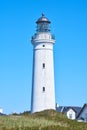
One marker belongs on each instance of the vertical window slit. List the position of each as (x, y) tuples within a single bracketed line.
[(43, 65), (43, 89)]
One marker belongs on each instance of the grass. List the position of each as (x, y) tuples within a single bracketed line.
[(46, 120), (22, 121)]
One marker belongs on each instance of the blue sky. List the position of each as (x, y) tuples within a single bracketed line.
[(17, 25)]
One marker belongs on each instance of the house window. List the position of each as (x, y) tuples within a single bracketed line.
[(43, 89), (43, 65), (70, 116), (43, 45)]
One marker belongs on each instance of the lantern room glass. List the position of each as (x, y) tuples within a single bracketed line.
[(43, 27)]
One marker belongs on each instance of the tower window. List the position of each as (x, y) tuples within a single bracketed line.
[(43, 89), (43, 45), (43, 65)]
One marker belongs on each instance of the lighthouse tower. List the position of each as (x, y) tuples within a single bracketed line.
[(43, 91)]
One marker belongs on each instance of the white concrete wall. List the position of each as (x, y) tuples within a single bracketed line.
[(1, 110), (43, 77), (72, 113)]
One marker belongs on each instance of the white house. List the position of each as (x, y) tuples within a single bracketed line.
[(70, 111), (71, 114)]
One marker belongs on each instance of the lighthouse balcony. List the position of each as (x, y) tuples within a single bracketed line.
[(43, 36)]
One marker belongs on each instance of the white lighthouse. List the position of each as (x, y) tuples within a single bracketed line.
[(43, 90)]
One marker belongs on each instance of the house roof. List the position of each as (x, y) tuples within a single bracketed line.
[(85, 105), (64, 109)]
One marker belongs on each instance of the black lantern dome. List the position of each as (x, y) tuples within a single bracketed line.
[(43, 19), (43, 24)]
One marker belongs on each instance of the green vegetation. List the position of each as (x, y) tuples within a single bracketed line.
[(46, 120)]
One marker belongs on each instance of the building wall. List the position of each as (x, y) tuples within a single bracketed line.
[(83, 115), (1, 110), (43, 95)]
